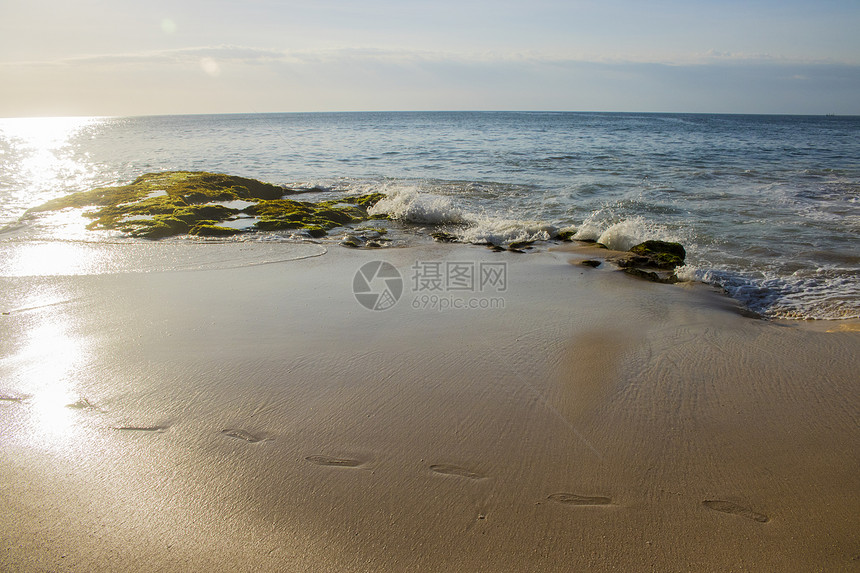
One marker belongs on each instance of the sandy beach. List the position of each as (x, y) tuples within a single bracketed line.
[(258, 418)]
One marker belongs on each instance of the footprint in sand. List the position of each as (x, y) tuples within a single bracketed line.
[(150, 429), (576, 499), (244, 435), (336, 462), (452, 470), (736, 509)]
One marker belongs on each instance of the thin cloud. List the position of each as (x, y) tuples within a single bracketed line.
[(252, 55), (181, 80)]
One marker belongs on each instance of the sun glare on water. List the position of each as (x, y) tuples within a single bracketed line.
[(41, 146)]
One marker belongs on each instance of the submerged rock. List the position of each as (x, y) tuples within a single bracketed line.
[(158, 205), (366, 238)]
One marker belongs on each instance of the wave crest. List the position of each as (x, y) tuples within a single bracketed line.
[(411, 205)]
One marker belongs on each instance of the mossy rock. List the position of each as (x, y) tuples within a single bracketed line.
[(566, 236), (444, 237), (279, 208), (336, 216), (315, 231), (277, 224), (197, 213), (367, 201), (177, 202), (156, 228), (659, 254), (213, 231)]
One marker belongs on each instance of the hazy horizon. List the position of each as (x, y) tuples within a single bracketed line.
[(193, 57)]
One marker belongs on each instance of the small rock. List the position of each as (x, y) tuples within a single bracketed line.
[(516, 245), (443, 237), (352, 241)]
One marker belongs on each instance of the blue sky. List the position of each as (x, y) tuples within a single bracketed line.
[(126, 57)]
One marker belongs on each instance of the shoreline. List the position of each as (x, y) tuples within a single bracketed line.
[(261, 417)]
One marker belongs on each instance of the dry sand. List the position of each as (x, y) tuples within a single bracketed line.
[(259, 419)]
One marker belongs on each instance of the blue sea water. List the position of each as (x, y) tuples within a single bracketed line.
[(768, 207)]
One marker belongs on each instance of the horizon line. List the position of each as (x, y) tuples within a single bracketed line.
[(432, 111)]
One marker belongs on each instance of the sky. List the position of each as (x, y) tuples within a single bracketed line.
[(127, 57)]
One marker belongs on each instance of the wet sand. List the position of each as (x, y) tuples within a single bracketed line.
[(260, 419)]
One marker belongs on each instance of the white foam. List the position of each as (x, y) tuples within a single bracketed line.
[(498, 231), (409, 204), (823, 295), (414, 205), (621, 235)]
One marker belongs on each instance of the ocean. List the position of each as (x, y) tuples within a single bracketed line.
[(767, 207)]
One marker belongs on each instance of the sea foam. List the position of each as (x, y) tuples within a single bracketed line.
[(621, 235), (411, 204)]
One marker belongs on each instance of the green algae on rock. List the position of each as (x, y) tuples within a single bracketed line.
[(158, 205), (660, 254), (651, 259)]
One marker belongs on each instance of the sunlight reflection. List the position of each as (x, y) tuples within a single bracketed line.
[(52, 259), (44, 132), (50, 359), (44, 160)]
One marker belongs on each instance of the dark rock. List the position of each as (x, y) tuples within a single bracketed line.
[(660, 254), (315, 231), (517, 245), (634, 261), (665, 278), (443, 237), (590, 263)]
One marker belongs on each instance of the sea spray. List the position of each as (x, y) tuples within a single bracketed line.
[(412, 205), (485, 229), (621, 235), (408, 203)]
